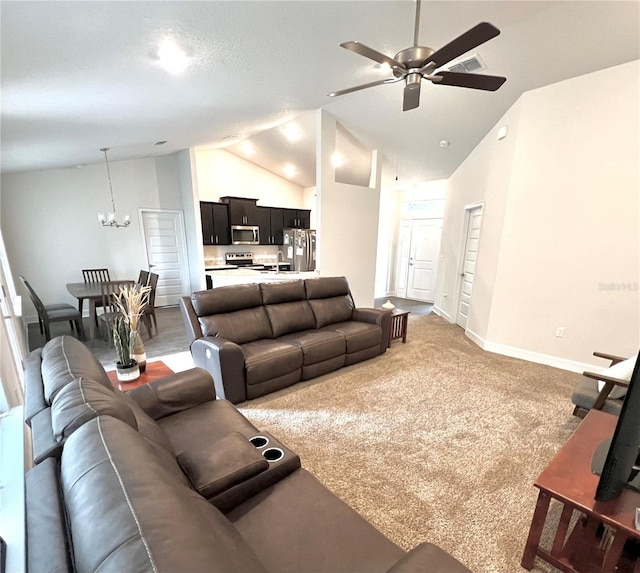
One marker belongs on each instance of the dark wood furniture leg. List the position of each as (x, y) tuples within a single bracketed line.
[(535, 531)]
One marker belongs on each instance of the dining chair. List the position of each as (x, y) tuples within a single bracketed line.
[(95, 275), (110, 312), (149, 311), (48, 313), (143, 278)]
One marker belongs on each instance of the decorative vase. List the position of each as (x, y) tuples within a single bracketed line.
[(129, 372), (137, 351), (388, 305)]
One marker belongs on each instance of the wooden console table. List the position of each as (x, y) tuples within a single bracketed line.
[(153, 371), (399, 321), (569, 480)]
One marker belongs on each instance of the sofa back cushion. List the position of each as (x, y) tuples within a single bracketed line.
[(128, 512), (330, 300), (240, 327), (81, 401), (234, 313), (287, 307), (226, 299), (65, 359)]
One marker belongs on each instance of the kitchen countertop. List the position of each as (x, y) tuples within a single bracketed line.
[(245, 275)]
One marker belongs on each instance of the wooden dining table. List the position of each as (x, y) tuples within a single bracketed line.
[(93, 293)]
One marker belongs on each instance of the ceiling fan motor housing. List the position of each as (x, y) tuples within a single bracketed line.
[(414, 57)]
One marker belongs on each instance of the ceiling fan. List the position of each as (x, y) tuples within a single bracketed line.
[(419, 62)]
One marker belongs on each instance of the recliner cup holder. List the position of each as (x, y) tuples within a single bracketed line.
[(259, 441), (273, 454)]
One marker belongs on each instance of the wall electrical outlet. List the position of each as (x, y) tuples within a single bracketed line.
[(560, 332)]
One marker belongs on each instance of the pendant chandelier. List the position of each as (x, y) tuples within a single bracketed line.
[(111, 220)]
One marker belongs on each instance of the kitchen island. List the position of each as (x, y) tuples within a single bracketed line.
[(243, 276)]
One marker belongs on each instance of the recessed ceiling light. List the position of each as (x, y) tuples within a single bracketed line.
[(292, 132), (289, 170), (337, 160), (444, 143), (248, 148), (171, 57)]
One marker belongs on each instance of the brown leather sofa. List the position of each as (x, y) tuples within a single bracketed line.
[(258, 338), (164, 479)]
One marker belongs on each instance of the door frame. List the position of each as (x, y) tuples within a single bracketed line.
[(461, 253), (186, 281)]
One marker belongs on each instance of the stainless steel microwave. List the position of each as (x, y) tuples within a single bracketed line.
[(245, 235)]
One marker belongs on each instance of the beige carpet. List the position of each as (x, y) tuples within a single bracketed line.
[(436, 440)]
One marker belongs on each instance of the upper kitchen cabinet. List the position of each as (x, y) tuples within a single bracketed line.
[(215, 223), (271, 222), (242, 211), (297, 218)]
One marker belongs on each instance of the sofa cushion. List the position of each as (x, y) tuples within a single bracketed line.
[(287, 317), (209, 422), (326, 287), (226, 299), (81, 401), (239, 327), (317, 345), (318, 533), (285, 291), (128, 513), (266, 359), (359, 335), (222, 464), (332, 310), (65, 359)]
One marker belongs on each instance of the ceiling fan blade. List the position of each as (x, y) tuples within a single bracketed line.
[(411, 99), (364, 86), (475, 81), (372, 54), (470, 39)]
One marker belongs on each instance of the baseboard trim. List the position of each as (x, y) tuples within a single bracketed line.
[(529, 355), (442, 313)]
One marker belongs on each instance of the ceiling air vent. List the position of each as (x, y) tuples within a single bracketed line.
[(471, 64)]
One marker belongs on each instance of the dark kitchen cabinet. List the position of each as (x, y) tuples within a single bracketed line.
[(241, 211), (271, 222), (297, 218), (215, 223)]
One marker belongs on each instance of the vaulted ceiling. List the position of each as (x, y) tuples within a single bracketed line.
[(78, 76)]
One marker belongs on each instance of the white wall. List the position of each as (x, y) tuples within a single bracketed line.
[(50, 226), (347, 220), (222, 173), (561, 217)]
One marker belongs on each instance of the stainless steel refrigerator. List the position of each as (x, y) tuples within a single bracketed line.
[(299, 249)]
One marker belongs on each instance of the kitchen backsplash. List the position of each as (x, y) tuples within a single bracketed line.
[(214, 256)]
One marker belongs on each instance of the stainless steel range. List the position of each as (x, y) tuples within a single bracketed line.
[(239, 259)]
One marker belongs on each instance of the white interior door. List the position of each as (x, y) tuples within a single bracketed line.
[(404, 251), (165, 244), (423, 259), (469, 265)]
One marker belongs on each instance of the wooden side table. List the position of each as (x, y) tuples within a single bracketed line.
[(154, 371), (399, 321), (568, 479)]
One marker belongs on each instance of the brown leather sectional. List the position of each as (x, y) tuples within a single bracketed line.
[(258, 338), (165, 478)]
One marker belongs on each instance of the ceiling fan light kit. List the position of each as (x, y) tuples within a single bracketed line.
[(416, 63)]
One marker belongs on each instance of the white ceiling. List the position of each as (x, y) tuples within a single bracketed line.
[(78, 76)]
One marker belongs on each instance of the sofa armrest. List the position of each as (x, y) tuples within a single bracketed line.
[(428, 557), (376, 316), (224, 360), (175, 393), (219, 466)]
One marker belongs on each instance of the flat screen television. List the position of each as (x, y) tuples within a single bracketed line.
[(617, 460)]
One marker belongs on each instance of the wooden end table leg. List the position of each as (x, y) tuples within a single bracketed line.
[(612, 556), (535, 531)]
